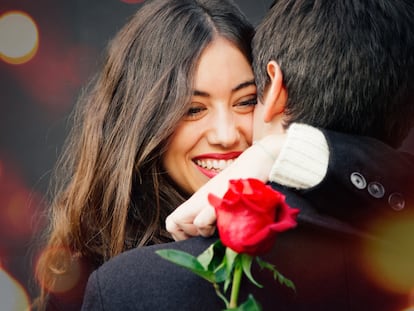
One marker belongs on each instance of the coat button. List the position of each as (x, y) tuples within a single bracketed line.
[(376, 190), (396, 201), (358, 180)]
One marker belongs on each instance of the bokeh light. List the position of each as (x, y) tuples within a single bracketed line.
[(411, 302), (13, 297), (65, 274), (19, 37), (20, 207), (54, 77), (390, 261)]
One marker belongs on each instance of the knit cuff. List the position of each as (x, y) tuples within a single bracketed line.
[(303, 160)]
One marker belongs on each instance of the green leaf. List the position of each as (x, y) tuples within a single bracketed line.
[(220, 272), (231, 258), (246, 261), (187, 261), (249, 305), (213, 260), (212, 257), (276, 274), (205, 257)]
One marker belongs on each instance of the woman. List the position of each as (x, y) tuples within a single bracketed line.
[(176, 83)]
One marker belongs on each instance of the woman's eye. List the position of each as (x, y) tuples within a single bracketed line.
[(246, 105), (194, 112), (250, 102)]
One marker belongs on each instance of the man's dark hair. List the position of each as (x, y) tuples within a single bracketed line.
[(347, 65)]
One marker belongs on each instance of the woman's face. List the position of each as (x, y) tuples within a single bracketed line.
[(218, 123)]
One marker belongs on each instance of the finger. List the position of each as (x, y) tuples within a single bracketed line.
[(180, 236), (180, 231), (171, 225), (181, 215), (207, 231), (205, 221)]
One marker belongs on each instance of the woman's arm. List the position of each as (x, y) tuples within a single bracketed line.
[(272, 158)]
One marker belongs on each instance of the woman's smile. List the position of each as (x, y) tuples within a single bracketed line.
[(212, 164)]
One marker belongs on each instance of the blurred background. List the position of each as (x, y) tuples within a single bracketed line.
[(48, 51)]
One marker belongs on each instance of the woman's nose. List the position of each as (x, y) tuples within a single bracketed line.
[(224, 131)]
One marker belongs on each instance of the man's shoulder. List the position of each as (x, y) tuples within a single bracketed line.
[(147, 256), (140, 279)]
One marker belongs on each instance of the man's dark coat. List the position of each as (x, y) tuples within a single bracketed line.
[(331, 256)]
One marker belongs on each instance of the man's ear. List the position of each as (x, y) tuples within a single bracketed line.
[(276, 93)]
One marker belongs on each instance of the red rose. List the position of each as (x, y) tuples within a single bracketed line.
[(250, 216)]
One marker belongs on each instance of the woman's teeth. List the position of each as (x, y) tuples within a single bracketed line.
[(217, 165)]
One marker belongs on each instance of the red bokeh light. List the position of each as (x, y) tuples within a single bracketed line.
[(20, 207)]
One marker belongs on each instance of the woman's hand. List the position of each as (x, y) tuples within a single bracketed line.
[(196, 216)]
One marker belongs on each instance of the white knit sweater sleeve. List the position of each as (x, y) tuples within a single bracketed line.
[(303, 160)]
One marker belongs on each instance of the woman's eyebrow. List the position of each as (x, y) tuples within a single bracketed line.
[(236, 88), (200, 93), (243, 85)]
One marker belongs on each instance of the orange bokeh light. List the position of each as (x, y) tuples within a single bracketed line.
[(390, 261), (19, 37), (64, 275)]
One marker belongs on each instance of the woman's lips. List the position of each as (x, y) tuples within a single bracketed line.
[(208, 173), (213, 163)]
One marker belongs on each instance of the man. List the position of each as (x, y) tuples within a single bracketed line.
[(344, 66), (339, 66)]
